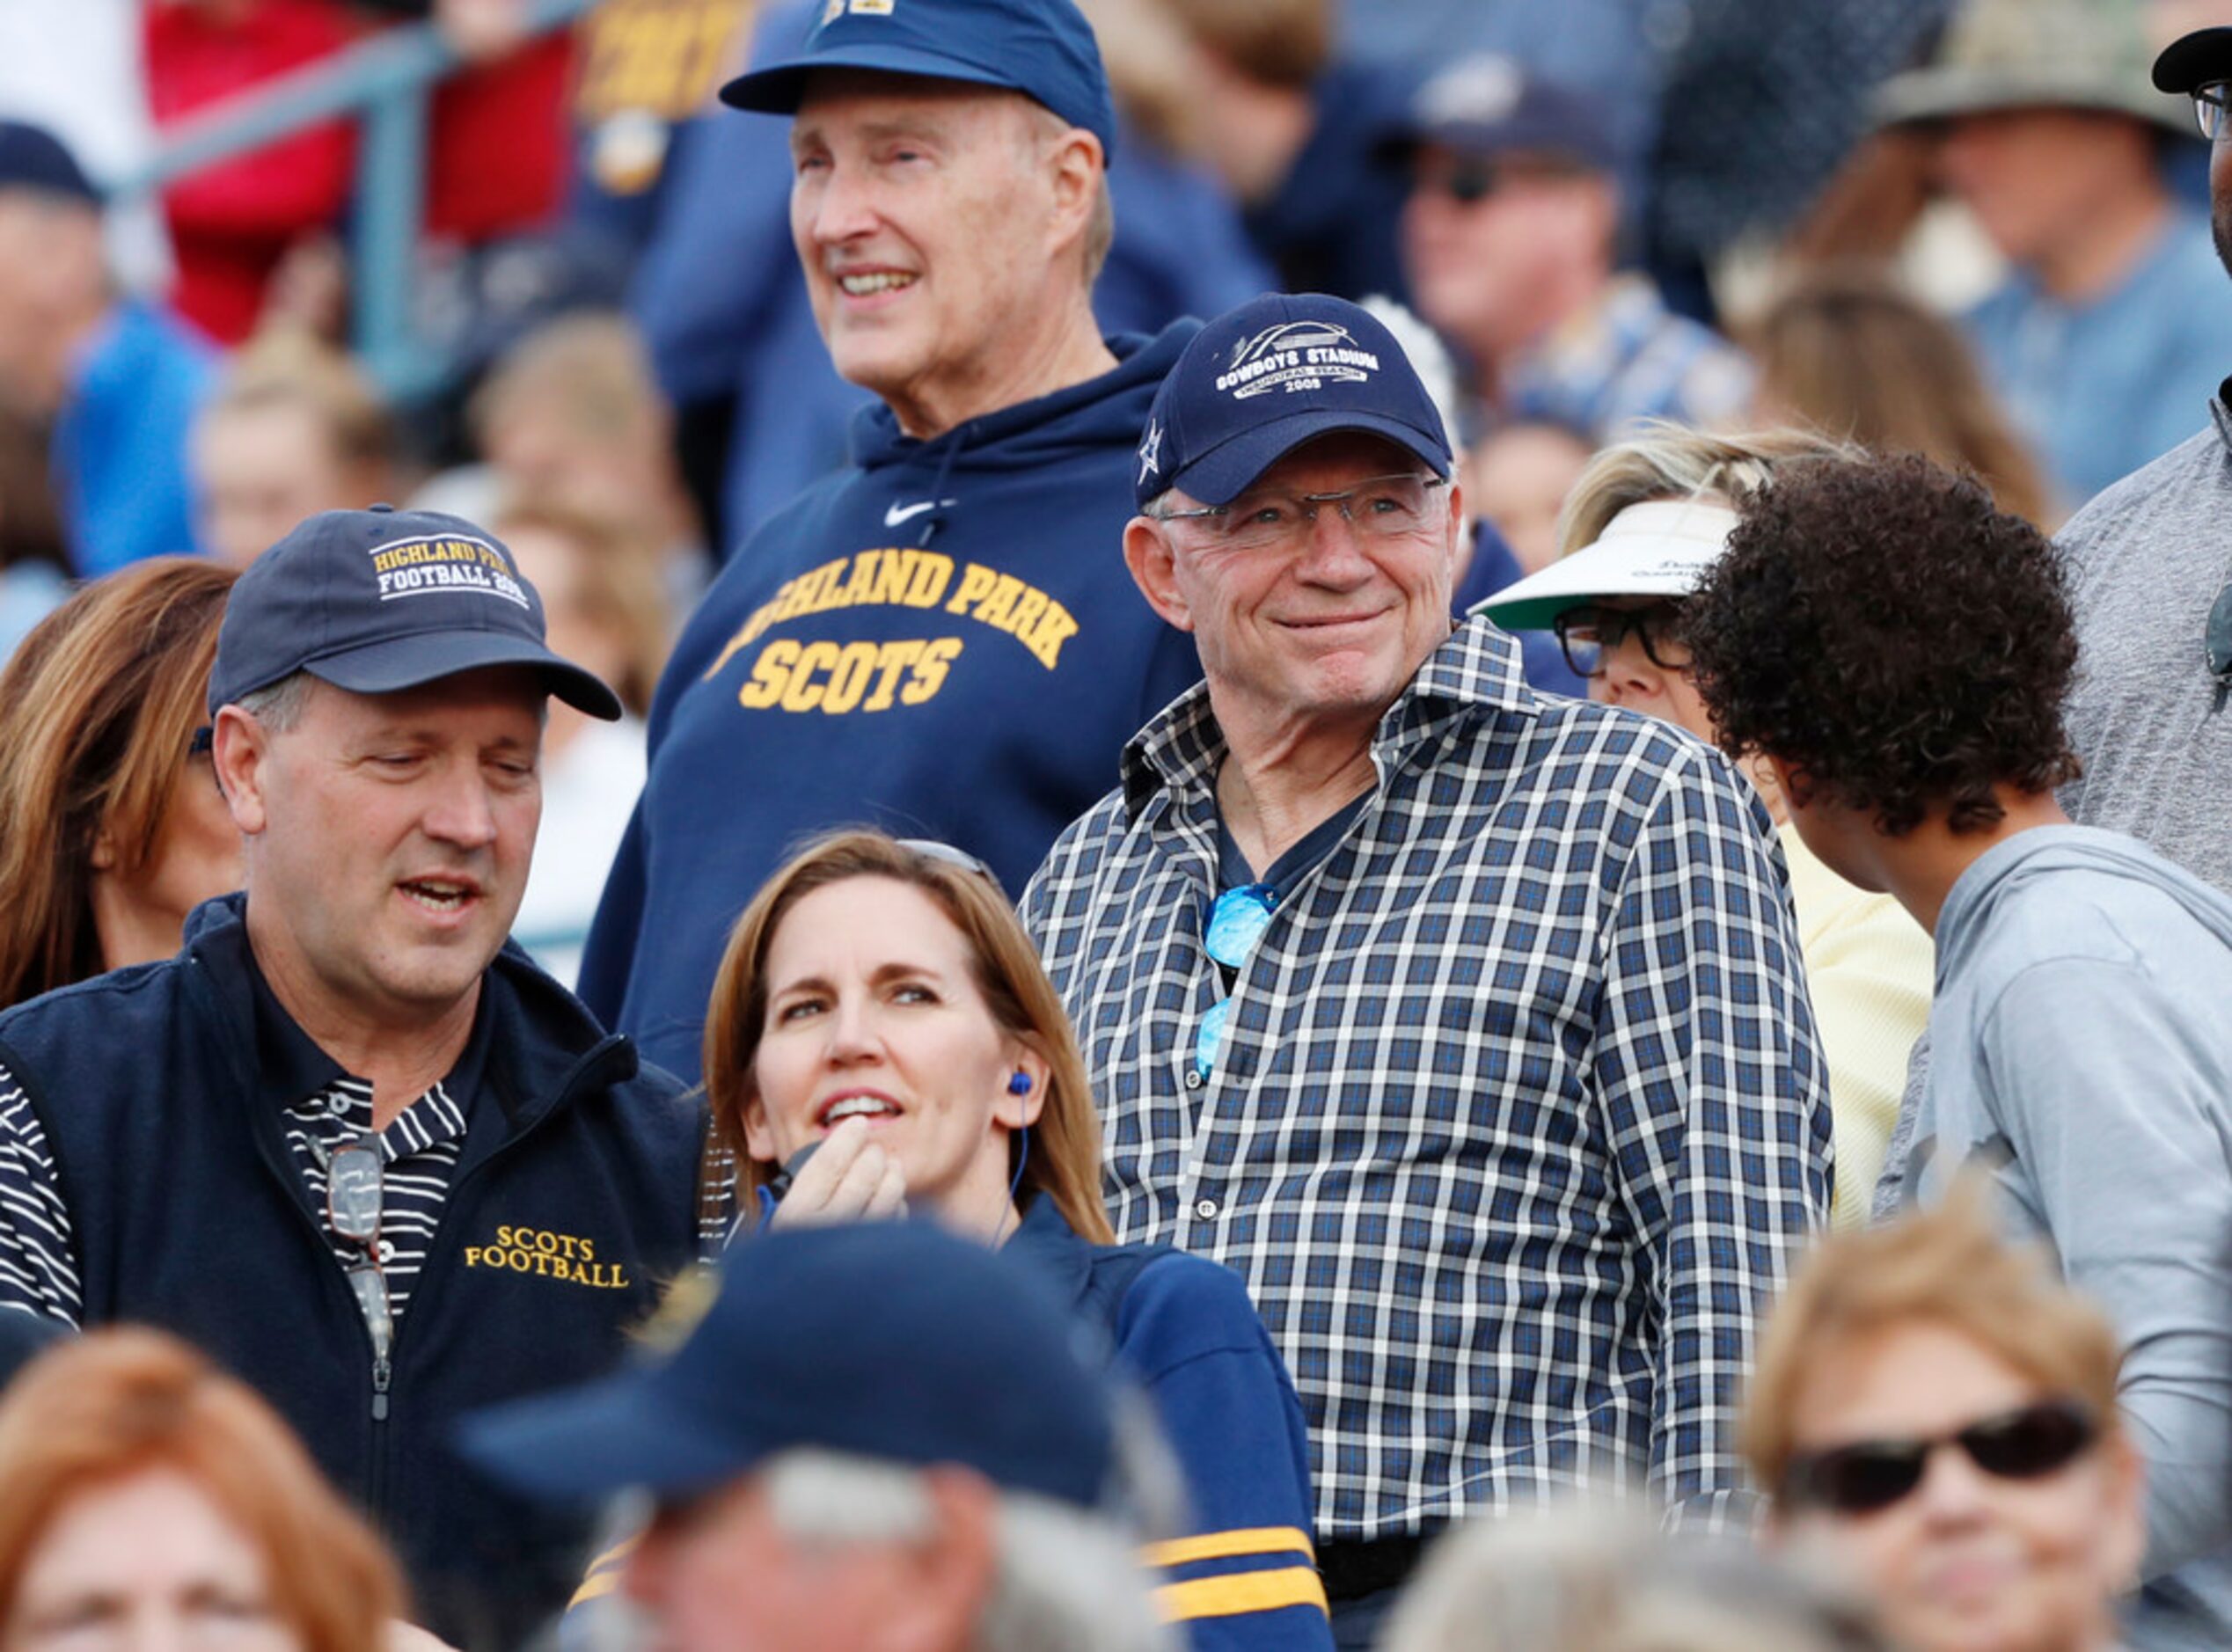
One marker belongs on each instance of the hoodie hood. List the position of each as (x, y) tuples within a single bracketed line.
[(1056, 429), (2050, 851)]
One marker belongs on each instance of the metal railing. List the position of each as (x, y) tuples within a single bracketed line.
[(385, 80)]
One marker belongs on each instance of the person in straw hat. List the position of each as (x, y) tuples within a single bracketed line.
[(2111, 326)]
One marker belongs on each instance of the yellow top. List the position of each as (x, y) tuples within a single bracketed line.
[(1868, 969)]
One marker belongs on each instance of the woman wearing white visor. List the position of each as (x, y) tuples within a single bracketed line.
[(1643, 523)]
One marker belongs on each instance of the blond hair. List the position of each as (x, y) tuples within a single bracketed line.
[(1664, 460), (294, 368), (1848, 350), (1947, 1268), (1064, 1160), (617, 585), (1284, 43)]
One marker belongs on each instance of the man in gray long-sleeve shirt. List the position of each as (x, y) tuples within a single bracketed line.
[(2147, 561), (1898, 651)]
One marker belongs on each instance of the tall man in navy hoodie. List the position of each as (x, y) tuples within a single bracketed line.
[(348, 1140), (943, 640)]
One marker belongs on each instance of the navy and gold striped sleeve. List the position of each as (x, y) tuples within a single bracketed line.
[(1245, 1579)]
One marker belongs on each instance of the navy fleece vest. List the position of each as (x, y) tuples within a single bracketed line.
[(571, 1205)]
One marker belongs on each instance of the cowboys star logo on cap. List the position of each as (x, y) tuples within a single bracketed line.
[(1150, 452)]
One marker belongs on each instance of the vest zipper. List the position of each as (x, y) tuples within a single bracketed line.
[(280, 1163)]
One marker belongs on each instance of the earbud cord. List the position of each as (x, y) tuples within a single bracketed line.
[(1022, 1157)]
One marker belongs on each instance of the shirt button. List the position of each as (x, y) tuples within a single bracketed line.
[(1206, 1210), (1193, 1078)]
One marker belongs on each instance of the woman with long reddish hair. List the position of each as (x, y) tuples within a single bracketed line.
[(111, 827), (150, 1500)]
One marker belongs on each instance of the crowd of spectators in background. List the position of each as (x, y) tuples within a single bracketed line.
[(1287, 751)]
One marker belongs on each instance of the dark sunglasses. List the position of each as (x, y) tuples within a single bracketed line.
[(1469, 179), (2216, 642), (1586, 635), (1870, 1476), (947, 855)]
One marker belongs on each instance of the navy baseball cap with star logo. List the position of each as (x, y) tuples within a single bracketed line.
[(1260, 381), (1042, 49), (374, 601)]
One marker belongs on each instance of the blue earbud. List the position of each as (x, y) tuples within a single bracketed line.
[(1021, 1084)]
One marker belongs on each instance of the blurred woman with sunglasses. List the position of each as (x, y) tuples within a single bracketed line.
[(1935, 1416), (111, 827), (881, 1009), (1644, 522)]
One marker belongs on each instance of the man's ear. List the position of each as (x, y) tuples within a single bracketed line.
[(1153, 562), (240, 752), (955, 1564), (1079, 173)]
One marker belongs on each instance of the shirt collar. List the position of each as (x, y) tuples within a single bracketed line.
[(1477, 667), (291, 1067), (1046, 1242)]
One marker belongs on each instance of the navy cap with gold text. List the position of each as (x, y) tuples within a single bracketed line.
[(374, 601)]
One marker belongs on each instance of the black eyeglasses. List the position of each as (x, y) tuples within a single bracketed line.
[(1869, 1475), (2209, 104), (201, 742), (355, 1185), (1586, 635)]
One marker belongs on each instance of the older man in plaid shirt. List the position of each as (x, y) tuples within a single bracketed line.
[(1466, 1025)]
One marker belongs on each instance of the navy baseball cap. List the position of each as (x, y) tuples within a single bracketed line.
[(1490, 106), (32, 157), (374, 601), (1261, 380), (2194, 60), (1042, 49), (896, 1340)]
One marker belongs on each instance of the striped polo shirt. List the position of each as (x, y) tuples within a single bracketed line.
[(321, 1109)]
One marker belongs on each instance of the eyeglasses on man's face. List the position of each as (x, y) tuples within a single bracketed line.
[(1587, 635), (1379, 507), (2210, 102)]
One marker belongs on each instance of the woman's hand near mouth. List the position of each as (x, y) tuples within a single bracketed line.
[(853, 1178)]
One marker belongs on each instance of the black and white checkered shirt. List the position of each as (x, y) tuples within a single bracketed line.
[(1519, 1118)]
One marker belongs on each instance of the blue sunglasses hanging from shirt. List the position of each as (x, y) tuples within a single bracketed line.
[(1236, 923)]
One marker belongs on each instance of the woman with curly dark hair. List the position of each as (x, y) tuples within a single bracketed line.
[(1896, 651)]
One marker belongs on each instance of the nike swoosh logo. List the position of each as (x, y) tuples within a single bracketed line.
[(894, 514)]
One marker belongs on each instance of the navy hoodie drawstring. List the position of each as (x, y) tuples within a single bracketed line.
[(951, 443)]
